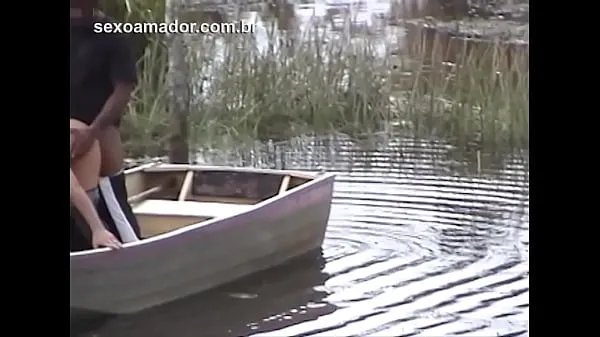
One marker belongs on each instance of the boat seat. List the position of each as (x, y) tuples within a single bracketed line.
[(189, 208)]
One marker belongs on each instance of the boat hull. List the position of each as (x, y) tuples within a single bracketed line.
[(202, 256)]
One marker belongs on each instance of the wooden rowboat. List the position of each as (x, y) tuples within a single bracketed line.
[(227, 310), (202, 227)]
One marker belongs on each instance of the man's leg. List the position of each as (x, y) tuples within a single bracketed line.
[(114, 208)]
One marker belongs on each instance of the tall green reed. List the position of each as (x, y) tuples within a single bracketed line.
[(146, 122), (470, 90), (320, 82)]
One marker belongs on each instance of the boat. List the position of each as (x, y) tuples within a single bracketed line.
[(291, 286), (201, 227)]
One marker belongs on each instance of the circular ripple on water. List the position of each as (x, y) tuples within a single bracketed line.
[(414, 250)]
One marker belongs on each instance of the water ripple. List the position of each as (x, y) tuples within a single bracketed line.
[(413, 248)]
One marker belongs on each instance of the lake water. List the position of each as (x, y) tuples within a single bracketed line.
[(424, 239)]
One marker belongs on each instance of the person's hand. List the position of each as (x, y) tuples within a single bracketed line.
[(104, 238), (82, 141)]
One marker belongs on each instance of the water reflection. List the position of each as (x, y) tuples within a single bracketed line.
[(417, 245), (355, 18), (269, 301)]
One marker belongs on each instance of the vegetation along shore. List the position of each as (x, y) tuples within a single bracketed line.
[(457, 70)]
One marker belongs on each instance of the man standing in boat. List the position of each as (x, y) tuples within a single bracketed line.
[(102, 76)]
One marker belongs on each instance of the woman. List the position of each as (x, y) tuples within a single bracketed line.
[(85, 172), (103, 75)]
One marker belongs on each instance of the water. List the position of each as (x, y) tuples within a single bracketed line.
[(421, 241), (380, 23)]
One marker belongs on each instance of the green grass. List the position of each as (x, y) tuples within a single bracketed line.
[(319, 85), (482, 96)]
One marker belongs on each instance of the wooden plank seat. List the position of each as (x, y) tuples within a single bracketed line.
[(188, 208)]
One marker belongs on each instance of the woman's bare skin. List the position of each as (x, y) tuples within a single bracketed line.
[(85, 172)]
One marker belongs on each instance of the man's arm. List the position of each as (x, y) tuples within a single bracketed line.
[(123, 74)]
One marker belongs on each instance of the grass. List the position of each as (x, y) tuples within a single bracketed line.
[(469, 90), (320, 84), (146, 122)]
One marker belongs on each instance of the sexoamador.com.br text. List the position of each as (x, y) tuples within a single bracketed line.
[(175, 27)]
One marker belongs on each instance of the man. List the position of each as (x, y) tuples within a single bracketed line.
[(103, 75)]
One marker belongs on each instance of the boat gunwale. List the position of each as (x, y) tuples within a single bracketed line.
[(315, 178), (163, 167)]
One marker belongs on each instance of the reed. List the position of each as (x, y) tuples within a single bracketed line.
[(146, 122), (319, 84), (471, 90)]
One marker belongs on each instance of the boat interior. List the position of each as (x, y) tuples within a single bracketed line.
[(164, 200)]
